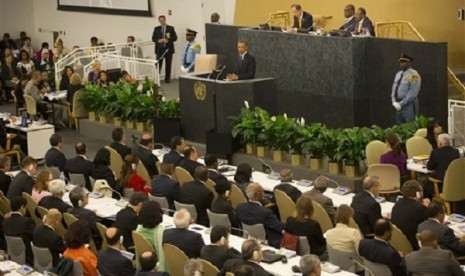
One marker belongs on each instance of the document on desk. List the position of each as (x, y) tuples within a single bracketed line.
[(57, 95)]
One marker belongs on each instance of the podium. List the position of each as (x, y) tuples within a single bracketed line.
[(206, 103)]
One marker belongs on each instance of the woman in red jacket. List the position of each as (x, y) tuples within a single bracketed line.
[(129, 177)]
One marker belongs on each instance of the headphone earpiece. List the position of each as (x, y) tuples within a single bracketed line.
[(80, 203), (255, 255), (133, 166), (157, 266), (222, 240), (226, 193), (198, 273), (418, 195)]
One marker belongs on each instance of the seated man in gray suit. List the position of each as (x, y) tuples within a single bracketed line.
[(430, 259), (320, 184)]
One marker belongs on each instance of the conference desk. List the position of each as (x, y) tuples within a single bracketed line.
[(9, 268)]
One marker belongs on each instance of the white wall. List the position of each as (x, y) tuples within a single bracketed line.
[(17, 15)]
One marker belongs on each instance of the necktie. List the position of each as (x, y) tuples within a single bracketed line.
[(185, 53), (300, 22), (396, 93), (163, 31)]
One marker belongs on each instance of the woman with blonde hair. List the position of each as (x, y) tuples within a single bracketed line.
[(129, 177), (75, 84), (40, 188), (93, 75)]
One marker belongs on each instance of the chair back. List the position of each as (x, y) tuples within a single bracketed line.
[(374, 150), (175, 258), (128, 192), (188, 207), (162, 201), (182, 175), (43, 260), (55, 171), (69, 219), (400, 242), (322, 217), (31, 208), (116, 162), (218, 219), (257, 231), (211, 186), (389, 176), (205, 62), (141, 244), (78, 108), (102, 229), (453, 188), (77, 179), (376, 268), (353, 224), (42, 211), (31, 106), (142, 171), (5, 206), (343, 259), (417, 145), (16, 249), (237, 196), (77, 268), (209, 269), (421, 132), (304, 246), (285, 204)]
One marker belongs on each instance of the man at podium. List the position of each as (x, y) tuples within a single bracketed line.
[(245, 64)]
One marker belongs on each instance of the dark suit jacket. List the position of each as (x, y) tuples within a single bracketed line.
[(112, 263), (366, 24), (165, 186), (349, 25), (440, 159), (5, 181), (407, 214), (123, 150), (189, 165), (218, 255), (148, 159), (158, 34), (104, 172), (23, 227), (50, 202), (230, 266), (252, 213), (366, 211), (91, 218), (429, 261), (222, 206), (173, 157), (307, 22), (21, 183), (290, 190), (151, 273), (82, 166), (381, 252), (46, 237), (324, 201), (196, 193), (246, 67), (446, 236), (312, 230), (126, 221), (55, 158), (189, 242), (215, 175)]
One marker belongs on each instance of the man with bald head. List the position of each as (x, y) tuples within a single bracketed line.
[(143, 151), (46, 237), (110, 260), (79, 164), (366, 209), (148, 265), (252, 212), (430, 259), (350, 22), (286, 186)]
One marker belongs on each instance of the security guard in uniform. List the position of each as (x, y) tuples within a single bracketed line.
[(405, 90), (191, 48)]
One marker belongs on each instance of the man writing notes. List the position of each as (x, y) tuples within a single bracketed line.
[(405, 90), (245, 64), (191, 49), (164, 37), (303, 21), (349, 14)]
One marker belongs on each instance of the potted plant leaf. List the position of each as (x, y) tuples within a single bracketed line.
[(262, 140), (93, 100), (331, 150), (244, 127), (278, 131), (168, 123), (298, 131), (352, 143), (314, 144)]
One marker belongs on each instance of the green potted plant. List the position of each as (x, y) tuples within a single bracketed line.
[(278, 130), (331, 137), (297, 132), (143, 111), (351, 147), (168, 123), (314, 144), (93, 100)]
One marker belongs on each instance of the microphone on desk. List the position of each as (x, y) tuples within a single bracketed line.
[(121, 202), (330, 180), (362, 266), (214, 71), (221, 72), (340, 190), (266, 168)]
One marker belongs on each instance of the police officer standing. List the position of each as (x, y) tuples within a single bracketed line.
[(405, 90), (191, 49)]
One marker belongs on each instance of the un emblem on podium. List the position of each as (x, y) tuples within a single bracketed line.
[(200, 90)]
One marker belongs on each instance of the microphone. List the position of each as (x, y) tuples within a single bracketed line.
[(265, 167), (214, 71), (340, 190), (121, 202), (220, 72), (362, 266)]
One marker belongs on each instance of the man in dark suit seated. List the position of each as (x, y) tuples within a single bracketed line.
[(5, 179), (54, 157), (218, 252), (222, 204), (46, 237), (310, 265), (410, 210), (303, 21), (189, 163), (245, 63), (320, 184), (197, 193), (148, 265), (119, 142), (378, 250), (110, 260), (435, 223), (285, 186), (193, 267), (126, 219), (349, 14), (252, 256), (252, 212), (175, 156), (189, 242), (80, 164), (17, 225), (430, 259), (57, 188), (364, 23), (211, 162), (366, 209), (23, 181), (144, 152), (163, 185)]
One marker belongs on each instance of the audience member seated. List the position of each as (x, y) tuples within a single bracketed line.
[(18, 225), (75, 84), (59, 52), (44, 46), (435, 223), (441, 157), (430, 259), (80, 165), (102, 79), (54, 157), (150, 217), (93, 75), (285, 186), (129, 177), (195, 192), (45, 84), (252, 212), (395, 156), (252, 255), (46, 62), (189, 163), (20, 87), (243, 270), (8, 75), (40, 188), (218, 252), (28, 47), (222, 204), (46, 237), (378, 250), (110, 260), (76, 238), (211, 162), (23, 181), (175, 156), (148, 265), (189, 242), (310, 265), (303, 225), (7, 43), (119, 142), (25, 65), (366, 209), (57, 188), (143, 151), (243, 176), (126, 219), (5, 179), (342, 237), (163, 185), (193, 267), (65, 78), (433, 130), (410, 210), (320, 184), (101, 169), (127, 77)]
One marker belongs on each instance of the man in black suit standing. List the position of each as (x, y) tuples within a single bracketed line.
[(164, 37), (17, 225), (46, 237), (245, 64), (119, 142), (378, 250), (189, 163), (349, 14), (176, 154), (144, 152), (110, 260), (23, 181), (366, 209), (80, 164), (303, 21), (363, 23), (54, 157), (164, 185)]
